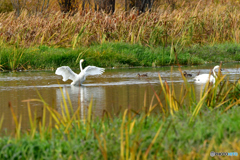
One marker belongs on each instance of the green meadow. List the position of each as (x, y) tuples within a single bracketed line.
[(111, 54), (136, 137)]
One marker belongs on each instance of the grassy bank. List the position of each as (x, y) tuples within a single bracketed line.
[(114, 55), (178, 131), (134, 137)]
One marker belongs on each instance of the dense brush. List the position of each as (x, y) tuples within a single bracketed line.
[(199, 23)]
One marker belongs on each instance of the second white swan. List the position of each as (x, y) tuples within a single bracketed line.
[(204, 78)]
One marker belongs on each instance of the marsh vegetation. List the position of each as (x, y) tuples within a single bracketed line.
[(111, 54), (181, 33), (195, 32)]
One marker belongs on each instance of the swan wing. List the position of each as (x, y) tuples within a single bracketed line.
[(92, 70), (66, 73)]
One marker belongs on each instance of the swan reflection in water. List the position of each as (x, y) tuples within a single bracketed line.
[(82, 96)]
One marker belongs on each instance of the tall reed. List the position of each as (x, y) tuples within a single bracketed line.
[(190, 24)]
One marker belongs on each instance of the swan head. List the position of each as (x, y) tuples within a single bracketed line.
[(82, 60), (216, 67)]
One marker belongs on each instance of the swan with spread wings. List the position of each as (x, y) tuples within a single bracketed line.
[(78, 79)]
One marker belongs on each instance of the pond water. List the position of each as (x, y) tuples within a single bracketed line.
[(113, 91)]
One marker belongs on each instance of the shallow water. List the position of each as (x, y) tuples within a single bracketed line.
[(113, 91)]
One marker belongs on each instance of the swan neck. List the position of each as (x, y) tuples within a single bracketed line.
[(214, 73), (80, 65)]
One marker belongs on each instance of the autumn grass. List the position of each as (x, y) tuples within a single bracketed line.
[(179, 130), (212, 131), (200, 22)]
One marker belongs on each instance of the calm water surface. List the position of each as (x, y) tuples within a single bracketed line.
[(113, 91)]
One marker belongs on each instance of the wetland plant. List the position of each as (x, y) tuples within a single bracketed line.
[(192, 23)]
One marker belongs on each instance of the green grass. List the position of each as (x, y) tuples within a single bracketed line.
[(215, 53), (180, 138), (114, 55)]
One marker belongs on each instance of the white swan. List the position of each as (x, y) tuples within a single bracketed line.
[(204, 78), (78, 79)]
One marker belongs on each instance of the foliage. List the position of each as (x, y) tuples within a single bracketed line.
[(202, 23), (33, 6), (113, 55), (215, 53), (68, 6), (5, 6)]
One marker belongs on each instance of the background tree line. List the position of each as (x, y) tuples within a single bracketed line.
[(72, 6)]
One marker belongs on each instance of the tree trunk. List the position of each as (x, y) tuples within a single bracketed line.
[(132, 4), (126, 9), (107, 6), (68, 6), (84, 3), (140, 5)]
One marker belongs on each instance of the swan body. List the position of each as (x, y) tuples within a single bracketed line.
[(204, 78), (78, 79)]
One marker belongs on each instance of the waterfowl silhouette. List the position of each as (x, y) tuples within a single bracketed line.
[(142, 75), (186, 74)]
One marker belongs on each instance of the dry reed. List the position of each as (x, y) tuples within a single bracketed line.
[(200, 23)]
